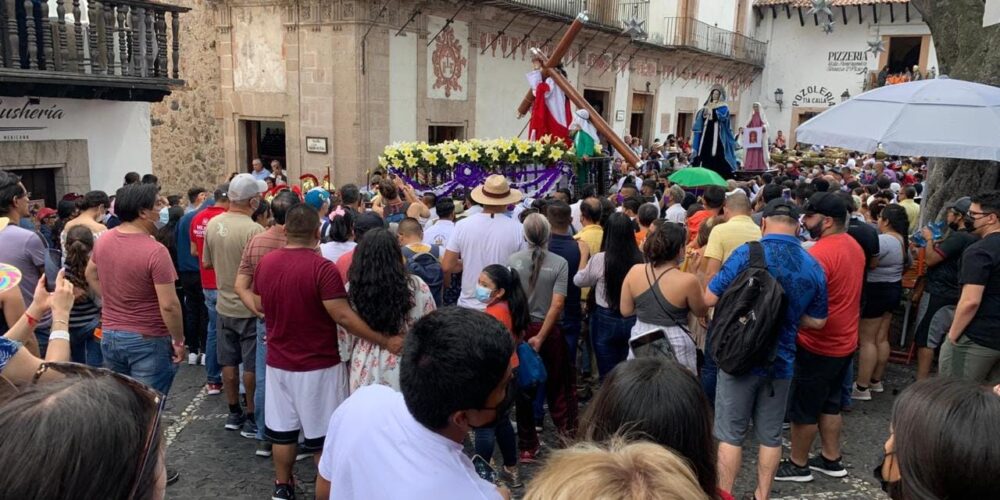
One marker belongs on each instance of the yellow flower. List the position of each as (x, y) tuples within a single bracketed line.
[(474, 155), (451, 160), (397, 162), (546, 139), (465, 149), (382, 162), (598, 149), (523, 147), (430, 157), (411, 161), (512, 157), (556, 154), (494, 154)]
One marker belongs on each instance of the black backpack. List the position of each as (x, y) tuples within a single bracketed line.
[(428, 267), (747, 324)]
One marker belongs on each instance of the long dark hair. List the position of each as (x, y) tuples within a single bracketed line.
[(938, 424), (380, 289), (660, 401), (79, 244), (537, 231), (88, 451), (620, 254), (895, 216), (341, 227), (508, 280)]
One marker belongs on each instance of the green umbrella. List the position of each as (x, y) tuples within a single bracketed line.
[(697, 177)]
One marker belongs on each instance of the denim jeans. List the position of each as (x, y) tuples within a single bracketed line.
[(709, 375), (83, 347), (212, 368), (571, 330), (260, 371), (503, 435), (146, 359), (609, 332)]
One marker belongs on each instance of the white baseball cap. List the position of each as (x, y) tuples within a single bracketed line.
[(244, 187)]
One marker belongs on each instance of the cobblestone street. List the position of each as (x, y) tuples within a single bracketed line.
[(219, 464)]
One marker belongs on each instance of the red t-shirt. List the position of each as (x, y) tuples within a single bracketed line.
[(843, 262), (292, 284), (128, 267), (694, 223), (198, 225), (344, 265)]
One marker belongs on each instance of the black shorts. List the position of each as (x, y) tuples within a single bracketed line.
[(816, 386), (881, 298), (934, 304)]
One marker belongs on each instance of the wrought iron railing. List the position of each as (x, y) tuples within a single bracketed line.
[(607, 13), (691, 33), (125, 39)]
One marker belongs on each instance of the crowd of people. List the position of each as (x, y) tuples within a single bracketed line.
[(378, 330)]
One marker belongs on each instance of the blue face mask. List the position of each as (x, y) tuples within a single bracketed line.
[(483, 294), (164, 215)]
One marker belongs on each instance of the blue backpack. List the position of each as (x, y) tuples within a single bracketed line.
[(427, 266)]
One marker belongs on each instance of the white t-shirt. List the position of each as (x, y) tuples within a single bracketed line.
[(439, 233), (574, 211), (334, 249), (676, 213), (376, 450), (481, 240)]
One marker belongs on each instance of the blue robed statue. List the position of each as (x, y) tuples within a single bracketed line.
[(714, 146)]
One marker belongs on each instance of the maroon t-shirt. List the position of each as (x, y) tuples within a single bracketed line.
[(292, 284), (128, 267)]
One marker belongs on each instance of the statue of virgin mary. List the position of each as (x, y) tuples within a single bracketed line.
[(714, 146)]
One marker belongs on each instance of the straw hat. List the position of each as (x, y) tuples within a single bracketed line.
[(496, 191)]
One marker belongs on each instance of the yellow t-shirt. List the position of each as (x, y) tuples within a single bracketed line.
[(729, 236), (912, 213), (592, 236)]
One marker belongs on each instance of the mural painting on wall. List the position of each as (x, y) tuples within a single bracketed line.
[(814, 95), (447, 77), (852, 61)]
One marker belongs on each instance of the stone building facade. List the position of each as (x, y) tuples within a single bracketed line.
[(341, 79)]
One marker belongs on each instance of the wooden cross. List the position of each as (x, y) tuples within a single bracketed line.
[(549, 70)]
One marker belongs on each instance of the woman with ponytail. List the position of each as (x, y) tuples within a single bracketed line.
[(85, 316), (883, 289), (544, 278), (499, 288), (340, 234)]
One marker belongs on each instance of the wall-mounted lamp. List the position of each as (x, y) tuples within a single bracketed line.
[(845, 96), (779, 98)]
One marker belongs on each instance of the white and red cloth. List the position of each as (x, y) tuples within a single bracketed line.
[(550, 112)]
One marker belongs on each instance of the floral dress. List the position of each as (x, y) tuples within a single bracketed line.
[(371, 364), (8, 348)]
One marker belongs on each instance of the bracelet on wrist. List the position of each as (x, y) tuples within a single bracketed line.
[(32, 321), (59, 335), (60, 321)]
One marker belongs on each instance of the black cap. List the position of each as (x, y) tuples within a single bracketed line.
[(961, 205), (828, 204), (781, 206)]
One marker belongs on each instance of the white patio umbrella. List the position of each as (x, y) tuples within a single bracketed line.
[(941, 118)]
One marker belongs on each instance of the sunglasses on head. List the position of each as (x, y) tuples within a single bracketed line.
[(150, 395)]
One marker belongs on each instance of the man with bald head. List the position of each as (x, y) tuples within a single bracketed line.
[(738, 229)]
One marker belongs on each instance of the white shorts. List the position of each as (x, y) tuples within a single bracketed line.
[(302, 401)]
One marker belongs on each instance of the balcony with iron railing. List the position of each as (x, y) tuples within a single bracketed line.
[(692, 34), (609, 15), (90, 49)]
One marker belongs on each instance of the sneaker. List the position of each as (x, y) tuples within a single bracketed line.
[(861, 395), (201, 359), (831, 468), (192, 359), (213, 389), (263, 449), (512, 477), (172, 476), (249, 429), (528, 456), (235, 421), (876, 387), (787, 471), (283, 491)]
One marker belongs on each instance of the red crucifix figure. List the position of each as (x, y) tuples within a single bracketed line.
[(550, 71)]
